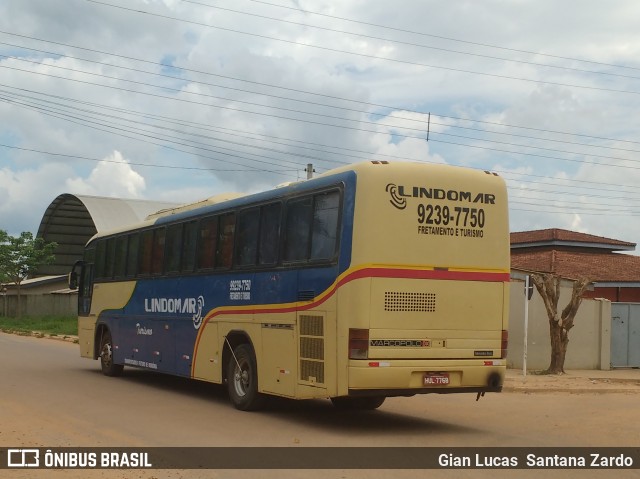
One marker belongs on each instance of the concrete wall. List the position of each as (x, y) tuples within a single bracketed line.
[(40, 305), (589, 340)]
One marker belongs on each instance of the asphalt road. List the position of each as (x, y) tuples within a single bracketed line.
[(50, 397)]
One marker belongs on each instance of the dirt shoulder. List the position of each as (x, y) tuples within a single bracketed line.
[(577, 381)]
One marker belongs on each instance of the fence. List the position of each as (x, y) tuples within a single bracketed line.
[(40, 305), (589, 340)]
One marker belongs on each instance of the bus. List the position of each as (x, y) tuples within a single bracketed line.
[(370, 281)]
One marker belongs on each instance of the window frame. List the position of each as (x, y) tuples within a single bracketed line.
[(132, 241)]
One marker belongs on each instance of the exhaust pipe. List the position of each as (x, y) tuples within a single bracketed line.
[(494, 382)]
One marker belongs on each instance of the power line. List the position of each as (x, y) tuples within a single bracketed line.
[(369, 104), (520, 197), (453, 143), (329, 124), (364, 55), (142, 131), (400, 42), (574, 208), (103, 160), (441, 37), (425, 122), (119, 131)]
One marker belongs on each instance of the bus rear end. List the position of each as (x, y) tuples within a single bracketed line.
[(424, 306)]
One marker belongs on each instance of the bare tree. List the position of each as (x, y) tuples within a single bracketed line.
[(548, 285)]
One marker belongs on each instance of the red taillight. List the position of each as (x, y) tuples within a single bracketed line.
[(504, 344), (358, 343)]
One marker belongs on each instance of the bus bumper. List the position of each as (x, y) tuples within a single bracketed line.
[(408, 377)]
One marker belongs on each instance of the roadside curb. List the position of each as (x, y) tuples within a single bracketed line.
[(578, 382), (36, 334), (538, 390)]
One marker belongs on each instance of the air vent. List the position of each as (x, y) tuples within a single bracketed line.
[(307, 295), (311, 349), (311, 325), (398, 301), (312, 371)]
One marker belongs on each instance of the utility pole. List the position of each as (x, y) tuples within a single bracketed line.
[(310, 171), (528, 292)]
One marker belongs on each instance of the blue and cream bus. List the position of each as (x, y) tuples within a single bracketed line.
[(373, 280)]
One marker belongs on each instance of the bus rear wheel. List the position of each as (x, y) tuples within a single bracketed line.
[(242, 379), (109, 368), (366, 403)]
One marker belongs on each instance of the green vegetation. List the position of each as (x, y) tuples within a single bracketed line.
[(50, 325), (20, 257)]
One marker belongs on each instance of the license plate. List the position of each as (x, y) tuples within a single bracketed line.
[(436, 379)]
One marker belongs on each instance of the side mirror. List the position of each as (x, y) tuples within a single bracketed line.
[(73, 280)]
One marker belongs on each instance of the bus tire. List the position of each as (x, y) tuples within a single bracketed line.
[(366, 403), (109, 368), (242, 379)]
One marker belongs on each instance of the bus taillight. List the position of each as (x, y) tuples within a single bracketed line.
[(358, 343), (504, 343)]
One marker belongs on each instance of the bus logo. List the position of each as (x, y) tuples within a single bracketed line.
[(141, 330), (192, 306), (397, 198), (399, 195), (197, 317)]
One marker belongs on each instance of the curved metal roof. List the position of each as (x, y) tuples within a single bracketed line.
[(71, 220)]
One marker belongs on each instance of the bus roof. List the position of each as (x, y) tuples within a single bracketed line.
[(225, 201)]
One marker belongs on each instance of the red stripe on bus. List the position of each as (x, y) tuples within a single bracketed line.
[(359, 274)]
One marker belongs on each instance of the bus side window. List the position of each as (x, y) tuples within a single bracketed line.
[(157, 257), (298, 228), (208, 234), (132, 254), (325, 225), (269, 234), (173, 248), (110, 259), (189, 240), (226, 234), (146, 253), (120, 263), (101, 247), (247, 237)]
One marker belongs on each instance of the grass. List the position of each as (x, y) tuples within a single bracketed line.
[(50, 325)]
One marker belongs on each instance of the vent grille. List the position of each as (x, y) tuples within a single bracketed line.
[(311, 325), (312, 371), (311, 349), (409, 302), (307, 295)]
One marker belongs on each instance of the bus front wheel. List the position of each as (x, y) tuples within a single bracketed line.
[(109, 368), (365, 403), (242, 379)]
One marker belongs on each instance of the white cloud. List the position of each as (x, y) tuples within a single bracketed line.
[(268, 137), (26, 193), (112, 177)]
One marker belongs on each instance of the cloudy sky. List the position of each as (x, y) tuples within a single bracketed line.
[(178, 100)]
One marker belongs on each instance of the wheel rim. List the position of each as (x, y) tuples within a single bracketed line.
[(241, 379), (107, 355)]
